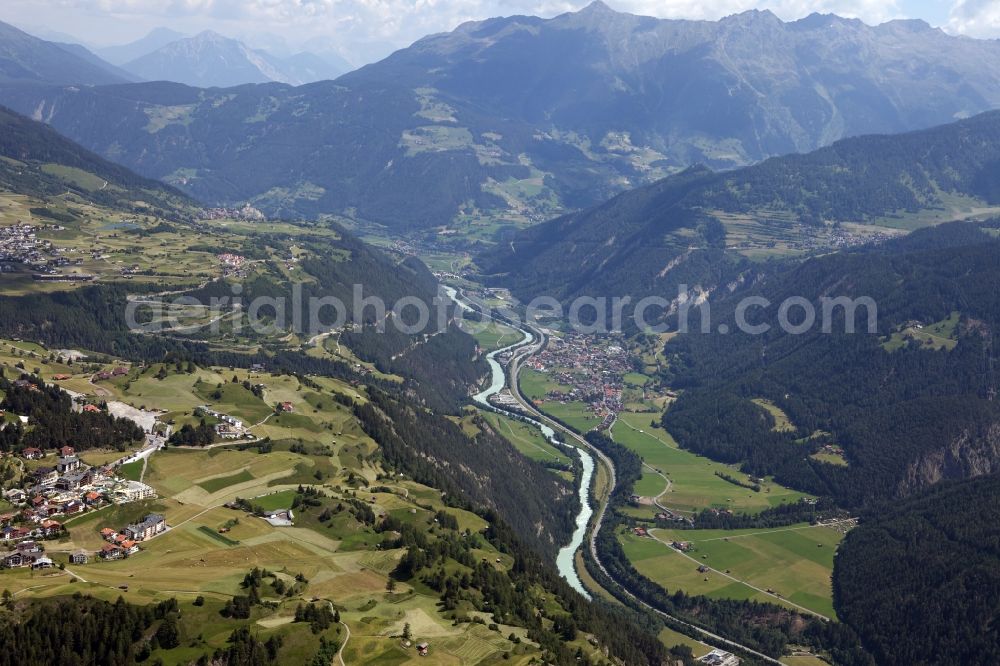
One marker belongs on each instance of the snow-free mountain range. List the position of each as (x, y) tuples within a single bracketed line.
[(523, 118), (207, 59)]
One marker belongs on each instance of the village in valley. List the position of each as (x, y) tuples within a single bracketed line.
[(587, 369), (22, 246)]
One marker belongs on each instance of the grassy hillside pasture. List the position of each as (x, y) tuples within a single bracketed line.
[(492, 335), (535, 384), (830, 458), (340, 556), (781, 421), (937, 336)]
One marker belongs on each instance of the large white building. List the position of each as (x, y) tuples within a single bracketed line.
[(133, 491), (720, 658)]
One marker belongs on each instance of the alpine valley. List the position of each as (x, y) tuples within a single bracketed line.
[(276, 388)]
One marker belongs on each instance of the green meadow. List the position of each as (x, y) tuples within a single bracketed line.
[(937, 336), (526, 438), (794, 562), (694, 483)]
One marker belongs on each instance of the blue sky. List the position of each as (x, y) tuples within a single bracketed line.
[(364, 30)]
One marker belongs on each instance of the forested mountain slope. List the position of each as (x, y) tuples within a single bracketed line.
[(518, 119), (937, 560), (41, 162), (909, 404), (675, 231)]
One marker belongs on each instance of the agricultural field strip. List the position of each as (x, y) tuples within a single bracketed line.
[(666, 544), (695, 482), (782, 529), (668, 483)]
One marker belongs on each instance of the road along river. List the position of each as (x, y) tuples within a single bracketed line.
[(532, 341), (528, 344)]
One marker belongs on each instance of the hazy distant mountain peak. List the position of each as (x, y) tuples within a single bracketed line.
[(156, 38), (753, 16), (210, 59), (207, 38), (909, 25), (597, 7)]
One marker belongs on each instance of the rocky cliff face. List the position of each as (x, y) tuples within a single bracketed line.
[(972, 453)]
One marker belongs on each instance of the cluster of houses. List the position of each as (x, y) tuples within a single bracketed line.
[(232, 260), (122, 544), (832, 449), (26, 554), (592, 369), (19, 244), (105, 375), (68, 488), (246, 212), (667, 516), (233, 265)]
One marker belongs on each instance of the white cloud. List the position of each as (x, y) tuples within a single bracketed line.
[(976, 18), (870, 11)]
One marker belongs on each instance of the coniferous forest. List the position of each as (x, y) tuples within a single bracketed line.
[(54, 423), (936, 558)]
